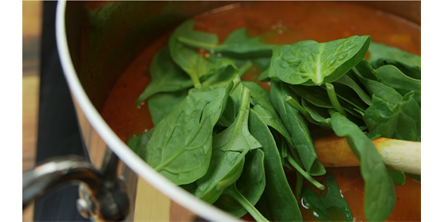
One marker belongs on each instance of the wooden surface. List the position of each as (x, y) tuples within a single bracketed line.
[(151, 205), (32, 19)]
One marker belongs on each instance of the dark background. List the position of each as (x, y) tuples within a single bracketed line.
[(58, 130)]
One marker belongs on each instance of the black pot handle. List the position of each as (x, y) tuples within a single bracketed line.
[(103, 194)]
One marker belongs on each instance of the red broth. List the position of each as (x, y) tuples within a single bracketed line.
[(320, 21)]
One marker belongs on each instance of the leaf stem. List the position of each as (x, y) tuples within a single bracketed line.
[(333, 99), (235, 194), (246, 66), (197, 44), (295, 104), (196, 81), (305, 174), (299, 182), (230, 180)]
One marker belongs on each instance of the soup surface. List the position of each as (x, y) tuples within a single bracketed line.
[(319, 21)]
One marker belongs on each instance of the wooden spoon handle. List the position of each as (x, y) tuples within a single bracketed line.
[(333, 151)]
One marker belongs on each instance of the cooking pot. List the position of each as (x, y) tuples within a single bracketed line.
[(94, 57)]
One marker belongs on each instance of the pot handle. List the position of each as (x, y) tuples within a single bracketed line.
[(103, 195)]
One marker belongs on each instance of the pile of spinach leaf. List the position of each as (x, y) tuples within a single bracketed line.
[(227, 141)]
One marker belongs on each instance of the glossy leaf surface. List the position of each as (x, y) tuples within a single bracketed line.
[(181, 145), (312, 63)]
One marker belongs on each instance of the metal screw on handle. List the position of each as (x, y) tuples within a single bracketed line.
[(111, 202), (103, 194)]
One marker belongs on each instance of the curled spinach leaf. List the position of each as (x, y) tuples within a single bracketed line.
[(397, 176), (402, 83), (408, 63), (237, 44), (188, 58), (312, 63), (165, 76)]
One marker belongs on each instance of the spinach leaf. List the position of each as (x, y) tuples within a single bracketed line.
[(380, 195), (243, 68), (277, 202), (313, 94), (328, 207), (260, 99), (229, 149), (348, 95), (312, 63), (345, 80), (314, 114), (233, 192), (161, 104), (317, 169), (408, 63), (237, 44), (414, 176), (397, 176), (313, 119), (191, 187), (188, 58), (264, 76), (225, 168), (294, 123), (181, 145), (222, 72), (318, 114), (260, 63), (138, 143), (372, 82), (233, 104), (295, 161), (165, 76), (250, 185), (316, 102), (400, 120), (402, 83)]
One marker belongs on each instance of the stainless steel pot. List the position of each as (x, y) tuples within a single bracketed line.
[(117, 39)]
